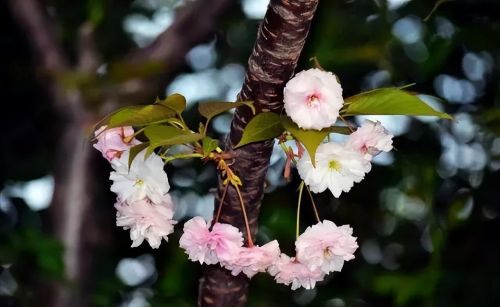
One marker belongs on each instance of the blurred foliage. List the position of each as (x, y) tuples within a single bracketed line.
[(427, 223)]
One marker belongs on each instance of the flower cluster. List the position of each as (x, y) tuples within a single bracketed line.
[(143, 205), (313, 99), (320, 250)]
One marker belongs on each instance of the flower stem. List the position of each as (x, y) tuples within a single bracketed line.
[(284, 148), (247, 225), (347, 123), (182, 156), (137, 133), (221, 202), (297, 226), (313, 204)]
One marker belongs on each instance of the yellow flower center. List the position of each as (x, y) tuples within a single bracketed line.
[(139, 182), (334, 165)]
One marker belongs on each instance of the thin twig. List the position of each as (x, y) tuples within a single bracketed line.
[(313, 204), (221, 202), (347, 123), (297, 220), (247, 224)]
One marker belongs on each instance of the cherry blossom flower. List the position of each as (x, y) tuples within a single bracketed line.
[(370, 139), (338, 167), (221, 244), (251, 260), (144, 179), (113, 142), (288, 271), (326, 246), (313, 99), (146, 220)]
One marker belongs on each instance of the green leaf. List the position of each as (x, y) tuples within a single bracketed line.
[(134, 151), (137, 116), (201, 128), (209, 145), (159, 135), (176, 102), (311, 139), (263, 126), (388, 101), (211, 109)]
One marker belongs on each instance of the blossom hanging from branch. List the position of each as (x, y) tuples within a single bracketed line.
[(137, 142)]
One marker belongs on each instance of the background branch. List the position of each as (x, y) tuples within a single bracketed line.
[(40, 31), (73, 206), (194, 24), (89, 58)]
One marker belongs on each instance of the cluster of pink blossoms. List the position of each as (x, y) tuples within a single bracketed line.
[(313, 99), (320, 250), (143, 205)]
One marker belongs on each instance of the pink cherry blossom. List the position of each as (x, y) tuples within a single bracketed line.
[(326, 246), (112, 142), (251, 260), (313, 99), (219, 245), (370, 139), (288, 271), (146, 220)]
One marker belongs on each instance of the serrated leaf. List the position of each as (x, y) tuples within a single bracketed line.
[(176, 102), (311, 139), (137, 116), (159, 135), (263, 126), (134, 151), (388, 101), (209, 145), (213, 108)]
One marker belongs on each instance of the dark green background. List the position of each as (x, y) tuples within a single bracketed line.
[(428, 224)]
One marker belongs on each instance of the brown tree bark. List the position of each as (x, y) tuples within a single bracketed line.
[(279, 43)]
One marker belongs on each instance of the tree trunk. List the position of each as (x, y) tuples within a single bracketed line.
[(279, 43), (72, 202)]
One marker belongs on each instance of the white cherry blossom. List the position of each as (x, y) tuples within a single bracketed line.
[(144, 179), (338, 167)]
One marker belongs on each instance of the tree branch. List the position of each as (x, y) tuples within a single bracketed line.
[(275, 54), (194, 24), (39, 30), (89, 58)]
